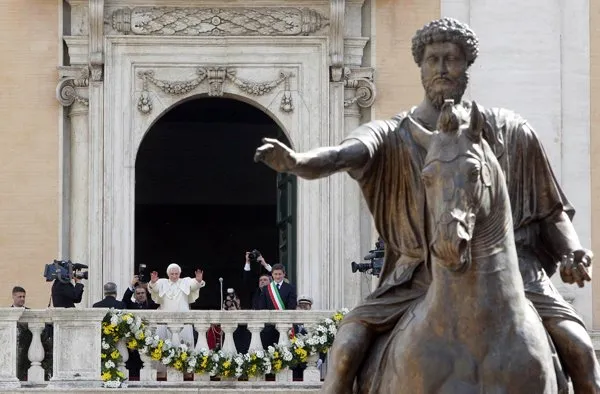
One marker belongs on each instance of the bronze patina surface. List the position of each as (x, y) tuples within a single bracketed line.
[(387, 159)]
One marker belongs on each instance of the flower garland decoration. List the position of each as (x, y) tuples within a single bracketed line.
[(124, 326)]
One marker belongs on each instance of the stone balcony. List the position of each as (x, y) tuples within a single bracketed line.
[(76, 360)]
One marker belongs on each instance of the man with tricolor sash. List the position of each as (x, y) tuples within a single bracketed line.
[(278, 295)]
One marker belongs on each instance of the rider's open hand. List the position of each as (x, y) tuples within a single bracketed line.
[(276, 155)]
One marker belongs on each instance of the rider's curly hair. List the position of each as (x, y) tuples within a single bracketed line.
[(445, 30)]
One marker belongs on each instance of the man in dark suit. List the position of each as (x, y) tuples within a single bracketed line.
[(141, 301), (110, 298), (66, 294), (278, 295), (140, 293)]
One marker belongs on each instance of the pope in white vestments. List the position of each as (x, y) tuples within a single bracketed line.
[(175, 295)]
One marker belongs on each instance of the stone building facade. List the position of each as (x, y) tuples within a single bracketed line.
[(317, 68)]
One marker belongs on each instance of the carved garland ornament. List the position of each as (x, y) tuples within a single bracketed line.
[(194, 21), (216, 76)]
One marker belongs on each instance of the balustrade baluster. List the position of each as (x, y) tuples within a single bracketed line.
[(228, 344), (35, 373), (201, 344), (284, 341)]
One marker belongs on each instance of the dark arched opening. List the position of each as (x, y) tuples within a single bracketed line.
[(201, 201)]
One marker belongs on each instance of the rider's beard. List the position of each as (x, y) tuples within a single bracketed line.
[(437, 94)]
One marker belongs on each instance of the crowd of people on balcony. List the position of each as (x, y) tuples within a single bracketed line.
[(175, 294)]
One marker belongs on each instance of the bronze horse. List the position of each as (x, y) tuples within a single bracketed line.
[(474, 331)]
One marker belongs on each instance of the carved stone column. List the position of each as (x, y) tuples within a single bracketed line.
[(72, 93), (359, 92)]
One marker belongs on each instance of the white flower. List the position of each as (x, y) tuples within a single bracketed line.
[(191, 361), (215, 357), (114, 320), (238, 360), (128, 319), (144, 350), (322, 340), (183, 347), (344, 311), (300, 343), (260, 354), (332, 330), (166, 360), (109, 364), (105, 345), (238, 372), (271, 350)]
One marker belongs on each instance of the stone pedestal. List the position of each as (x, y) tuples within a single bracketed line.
[(8, 347), (77, 329)]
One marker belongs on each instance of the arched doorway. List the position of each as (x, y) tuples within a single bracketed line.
[(201, 201)]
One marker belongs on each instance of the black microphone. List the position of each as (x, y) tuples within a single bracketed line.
[(221, 284)]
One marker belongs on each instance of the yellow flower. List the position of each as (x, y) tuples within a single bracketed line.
[(178, 365), (204, 362), (226, 373), (184, 356), (105, 376), (156, 354), (107, 330), (115, 354), (227, 364), (276, 355), (132, 344), (112, 325), (252, 369), (160, 344), (277, 366), (253, 357), (302, 353), (141, 335), (103, 355), (120, 374), (338, 317)]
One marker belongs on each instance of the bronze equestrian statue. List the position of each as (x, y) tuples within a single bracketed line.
[(386, 159), (474, 332)]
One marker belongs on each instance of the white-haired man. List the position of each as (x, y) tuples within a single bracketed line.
[(176, 294)]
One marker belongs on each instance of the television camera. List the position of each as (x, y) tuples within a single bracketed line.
[(376, 257), (64, 271)]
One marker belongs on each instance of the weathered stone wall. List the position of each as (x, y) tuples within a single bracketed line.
[(29, 153), (595, 146)]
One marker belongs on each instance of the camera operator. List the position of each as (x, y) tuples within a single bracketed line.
[(66, 293)]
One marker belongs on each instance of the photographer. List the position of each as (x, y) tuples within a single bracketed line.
[(256, 269), (140, 293), (67, 293)]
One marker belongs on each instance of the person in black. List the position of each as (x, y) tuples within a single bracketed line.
[(140, 294), (65, 294), (110, 298), (253, 273), (287, 294), (141, 301)]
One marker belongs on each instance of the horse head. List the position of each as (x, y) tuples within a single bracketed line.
[(458, 184)]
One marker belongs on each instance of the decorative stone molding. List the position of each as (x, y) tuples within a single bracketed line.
[(96, 39), (196, 21), (361, 79), (72, 78), (338, 8), (216, 76)]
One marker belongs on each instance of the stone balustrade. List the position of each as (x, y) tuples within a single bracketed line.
[(77, 347)]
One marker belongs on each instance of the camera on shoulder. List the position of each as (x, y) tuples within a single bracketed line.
[(64, 271)]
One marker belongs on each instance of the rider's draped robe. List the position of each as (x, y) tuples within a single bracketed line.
[(391, 184)]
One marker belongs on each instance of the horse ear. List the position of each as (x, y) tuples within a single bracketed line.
[(476, 124)]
